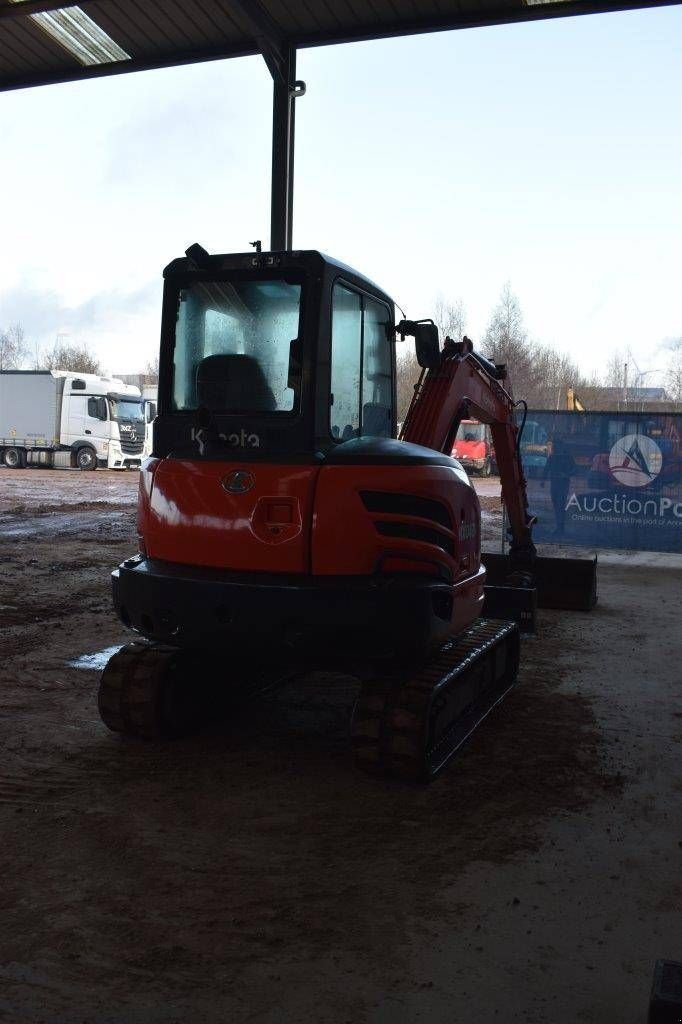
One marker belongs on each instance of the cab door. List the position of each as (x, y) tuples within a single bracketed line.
[(75, 418), (96, 417)]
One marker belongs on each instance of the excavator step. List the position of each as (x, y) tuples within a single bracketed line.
[(569, 584), (410, 726)]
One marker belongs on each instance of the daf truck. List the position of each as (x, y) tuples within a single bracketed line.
[(55, 418)]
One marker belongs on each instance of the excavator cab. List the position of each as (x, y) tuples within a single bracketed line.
[(271, 355)]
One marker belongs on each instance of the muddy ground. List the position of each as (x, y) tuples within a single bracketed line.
[(248, 874)]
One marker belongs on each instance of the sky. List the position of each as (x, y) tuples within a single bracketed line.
[(548, 155)]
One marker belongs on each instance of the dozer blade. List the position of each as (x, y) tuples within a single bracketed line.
[(409, 727), (564, 583), (515, 604)]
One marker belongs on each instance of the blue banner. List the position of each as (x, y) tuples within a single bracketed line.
[(605, 479)]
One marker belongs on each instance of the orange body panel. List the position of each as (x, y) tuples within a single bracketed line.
[(188, 516), (345, 538), (313, 520)]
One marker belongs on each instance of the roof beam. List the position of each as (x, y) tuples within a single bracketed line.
[(267, 35), (79, 72)]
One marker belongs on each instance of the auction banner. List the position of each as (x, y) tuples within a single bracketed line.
[(605, 479)]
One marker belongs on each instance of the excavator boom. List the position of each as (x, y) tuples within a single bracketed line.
[(458, 384), (464, 385)]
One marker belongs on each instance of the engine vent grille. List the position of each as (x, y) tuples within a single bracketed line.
[(407, 505), (413, 532)]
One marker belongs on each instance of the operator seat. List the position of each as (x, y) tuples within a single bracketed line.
[(231, 383), (376, 420)]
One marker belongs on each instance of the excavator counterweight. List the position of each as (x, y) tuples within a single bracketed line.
[(283, 527)]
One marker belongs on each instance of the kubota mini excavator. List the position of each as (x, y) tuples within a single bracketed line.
[(281, 521)]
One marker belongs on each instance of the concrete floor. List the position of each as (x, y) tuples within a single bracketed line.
[(249, 875)]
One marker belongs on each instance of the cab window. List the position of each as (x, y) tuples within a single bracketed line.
[(97, 408), (236, 346), (361, 382)]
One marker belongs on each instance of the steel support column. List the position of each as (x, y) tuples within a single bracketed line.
[(283, 117), (280, 56)]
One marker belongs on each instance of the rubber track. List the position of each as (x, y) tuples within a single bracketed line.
[(153, 691), (130, 698), (409, 727)]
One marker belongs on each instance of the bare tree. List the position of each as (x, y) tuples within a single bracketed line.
[(673, 376), (506, 341), (12, 347), (74, 357), (553, 373), (151, 369), (506, 327), (616, 374), (537, 373), (408, 371), (450, 318)]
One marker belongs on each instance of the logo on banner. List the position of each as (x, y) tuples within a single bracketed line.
[(635, 460)]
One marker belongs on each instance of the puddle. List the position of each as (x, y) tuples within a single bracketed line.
[(63, 524), (95, 662)]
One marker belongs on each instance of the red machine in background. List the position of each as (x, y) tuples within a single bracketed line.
[(473, 448), (283, 525)]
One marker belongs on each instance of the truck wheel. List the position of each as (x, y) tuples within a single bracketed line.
[(13, 458), (86, 458), (486, 468)]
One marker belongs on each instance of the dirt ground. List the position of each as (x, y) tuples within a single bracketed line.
[(249, 875)]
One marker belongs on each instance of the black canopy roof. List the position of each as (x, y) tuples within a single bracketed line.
[(46, 41)]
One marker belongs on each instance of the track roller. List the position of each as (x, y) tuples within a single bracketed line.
[(410, 726), (146, 691)]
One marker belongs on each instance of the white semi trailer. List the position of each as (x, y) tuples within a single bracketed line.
[(63, 419)]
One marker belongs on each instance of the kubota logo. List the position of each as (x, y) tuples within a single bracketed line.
[(238, 482), (241, 440), (635, 460)]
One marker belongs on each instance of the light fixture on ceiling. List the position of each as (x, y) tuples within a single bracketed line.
[(80, 35)]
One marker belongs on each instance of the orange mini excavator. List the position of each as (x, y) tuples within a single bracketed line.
[(282, 523)]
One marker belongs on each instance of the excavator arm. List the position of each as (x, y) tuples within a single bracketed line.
[(461, 384)]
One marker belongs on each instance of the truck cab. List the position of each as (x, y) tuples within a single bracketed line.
[(61, 419), (104, 415)]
